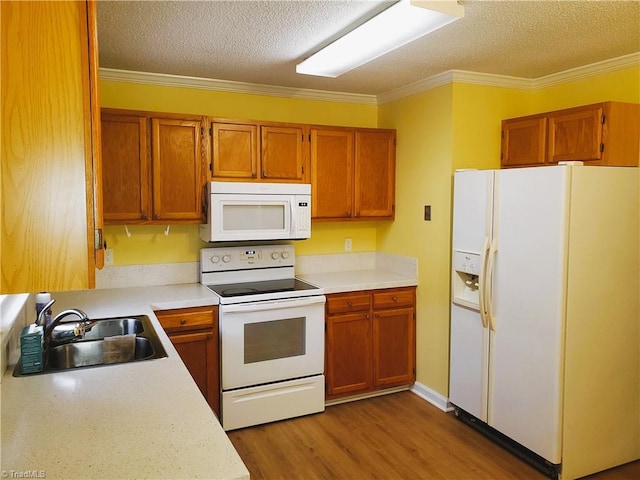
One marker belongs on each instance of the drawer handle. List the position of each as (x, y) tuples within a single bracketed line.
[(394, 298), (350, 304), (183, 321)]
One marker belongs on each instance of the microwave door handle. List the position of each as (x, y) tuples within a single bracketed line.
[(274, 305), (292, 230)]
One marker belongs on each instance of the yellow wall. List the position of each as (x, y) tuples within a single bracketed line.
[(148, 244)]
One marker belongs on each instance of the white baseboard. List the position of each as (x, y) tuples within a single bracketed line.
[(432, 397)]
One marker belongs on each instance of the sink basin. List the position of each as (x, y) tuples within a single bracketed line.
[(87, 353), (114, 326), (90, 350)]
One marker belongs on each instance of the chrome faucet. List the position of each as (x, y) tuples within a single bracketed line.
[(68, 331)]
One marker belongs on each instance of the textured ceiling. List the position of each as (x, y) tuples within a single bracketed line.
[(262, 41)]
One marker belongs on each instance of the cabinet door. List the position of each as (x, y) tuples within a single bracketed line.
[(375, 173), (576, 134), (177, 169), (45, 147), (282, 155), (125, 168), (331, 173), (199, 352), (524, 142), (394, 347), (235, 151), (348, 356)]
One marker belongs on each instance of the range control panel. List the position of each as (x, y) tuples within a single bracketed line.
[(222, 259)]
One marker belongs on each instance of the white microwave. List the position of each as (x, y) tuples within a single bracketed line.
[(238, 211)]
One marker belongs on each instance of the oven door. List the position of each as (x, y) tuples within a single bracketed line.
[(269, 341)]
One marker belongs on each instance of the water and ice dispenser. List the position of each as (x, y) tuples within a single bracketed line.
[(466, 272)]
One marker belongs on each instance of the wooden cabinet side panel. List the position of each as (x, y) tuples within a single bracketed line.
[(93, 165), (125, 158), (374, 173), (43, 149), (621, 134), (332, 167), (348, 360), (235, 151), (177, 169)]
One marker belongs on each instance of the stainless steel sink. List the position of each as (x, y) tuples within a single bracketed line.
[(114, 326), (85, 354), (90, 350)]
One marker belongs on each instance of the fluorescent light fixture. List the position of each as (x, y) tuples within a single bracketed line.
[(403, 22)]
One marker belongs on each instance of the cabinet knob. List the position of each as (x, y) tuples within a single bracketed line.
[(394, 298), (350, 304), (144, 216), (183, 321)]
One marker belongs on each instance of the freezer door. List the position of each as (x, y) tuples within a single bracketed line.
[(531, 234), (469, 340)]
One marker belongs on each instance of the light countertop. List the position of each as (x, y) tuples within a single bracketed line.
[(351, 281), (133, 420)]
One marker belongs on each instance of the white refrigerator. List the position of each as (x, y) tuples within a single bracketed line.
[(545, 314)]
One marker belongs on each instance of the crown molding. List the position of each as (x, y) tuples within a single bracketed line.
[(233, 86), (455, 76), (461, 76), (445, 78), (586, 71)]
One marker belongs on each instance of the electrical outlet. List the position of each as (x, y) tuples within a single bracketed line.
[(427, 213), (108, 257), (347, 245)]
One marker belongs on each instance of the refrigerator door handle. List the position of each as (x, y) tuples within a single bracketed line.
[(482, 283), (493, 250)]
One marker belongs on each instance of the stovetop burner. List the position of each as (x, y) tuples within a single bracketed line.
[(254, 288)]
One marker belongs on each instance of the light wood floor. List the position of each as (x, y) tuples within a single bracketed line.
[(397, 436)]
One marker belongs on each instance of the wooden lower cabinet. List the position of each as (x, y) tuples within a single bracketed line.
[(194, 334), (370, 341)]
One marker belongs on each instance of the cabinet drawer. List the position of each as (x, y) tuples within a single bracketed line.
[(348, 303), (186, 318), (394, 298)]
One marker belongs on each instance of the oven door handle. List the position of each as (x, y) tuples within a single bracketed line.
[(272, 305)]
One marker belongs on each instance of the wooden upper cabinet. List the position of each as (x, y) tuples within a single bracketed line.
[(126, 172), (282, 156), (375, 167), (600, 134), (48, 146), (248, 151), (177, 169), (576, 135), (353, 173), (235, 150), (524, 142), (153, 167), (332, 173)]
